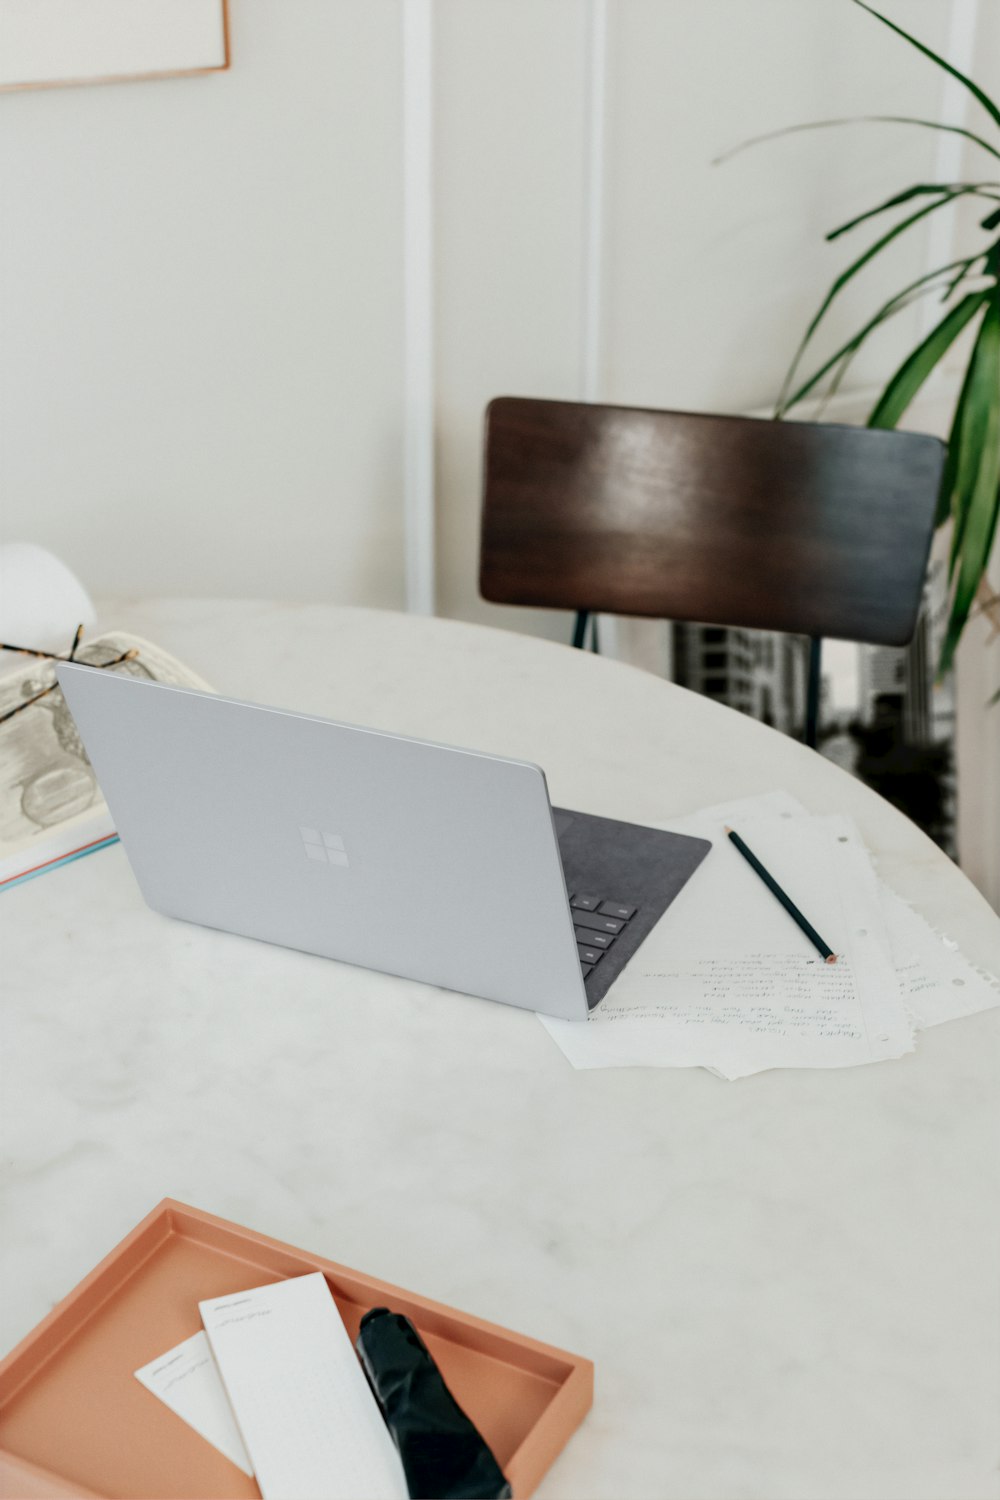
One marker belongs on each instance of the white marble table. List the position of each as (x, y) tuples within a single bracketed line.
[(789, 1285)]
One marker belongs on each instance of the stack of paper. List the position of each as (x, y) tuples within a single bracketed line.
[(276, 1386), (727, 981)]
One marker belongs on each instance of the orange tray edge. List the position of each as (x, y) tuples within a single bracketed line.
[(472, 1352)]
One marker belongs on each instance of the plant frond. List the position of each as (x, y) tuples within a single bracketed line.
[(922, 286), (920, 190), (955, 450), (978, 434), (773, 135), (985, 508), (915, 369), (984, 99), (842, 281), (959, 276)]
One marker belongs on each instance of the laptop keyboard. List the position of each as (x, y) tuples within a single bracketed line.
[(598, 921)]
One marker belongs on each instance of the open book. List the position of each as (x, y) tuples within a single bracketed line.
[(51, 810)]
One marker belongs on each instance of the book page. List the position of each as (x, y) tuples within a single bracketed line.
[(50, 803)]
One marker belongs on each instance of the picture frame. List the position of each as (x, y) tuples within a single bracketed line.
[(48, 44)]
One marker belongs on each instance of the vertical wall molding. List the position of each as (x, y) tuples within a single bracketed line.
[(594, 120), (955, 109), (643, 643), (594, 163), (418, 305), (976, 737)]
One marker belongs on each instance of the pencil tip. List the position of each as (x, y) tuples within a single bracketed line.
[(832, 959), (728, 829)]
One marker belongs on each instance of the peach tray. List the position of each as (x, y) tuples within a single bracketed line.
[(75, 1422)]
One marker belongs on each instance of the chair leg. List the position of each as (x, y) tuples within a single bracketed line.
[(595, 644), (580, 629), (812, 691)]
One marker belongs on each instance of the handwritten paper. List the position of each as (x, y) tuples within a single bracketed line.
[(301, 1400), (186, 1379), (727, 982), (937, 982)]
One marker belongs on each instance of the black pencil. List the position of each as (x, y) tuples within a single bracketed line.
[(828, 954)]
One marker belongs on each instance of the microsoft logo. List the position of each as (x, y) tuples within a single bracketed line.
[(327, 848)]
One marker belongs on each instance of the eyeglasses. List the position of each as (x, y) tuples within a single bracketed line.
[(54, 656)]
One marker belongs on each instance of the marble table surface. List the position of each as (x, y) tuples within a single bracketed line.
[(788, 1285)]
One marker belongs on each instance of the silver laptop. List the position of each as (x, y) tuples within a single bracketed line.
[(439, 864)]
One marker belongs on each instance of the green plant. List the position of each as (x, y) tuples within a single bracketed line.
[(970, 289)]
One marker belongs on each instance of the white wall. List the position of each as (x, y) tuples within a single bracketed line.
[(202, 319), (710, 272), (200, 328), (978, 739)]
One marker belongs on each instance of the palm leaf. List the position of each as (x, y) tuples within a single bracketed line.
[(914, 370), (975, 556), (978, 511), (950, 470), (853, 348), (920, 190), (773, 135), (990, 535), (894, 305), (847, 351), (960, 275), (848, 275), (966, 82), (963, 406), (837, 379), (979, 407)]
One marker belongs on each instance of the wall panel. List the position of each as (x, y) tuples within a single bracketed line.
[(509, 225), (201, 285)]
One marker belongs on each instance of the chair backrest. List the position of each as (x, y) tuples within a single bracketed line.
[(796, 526)]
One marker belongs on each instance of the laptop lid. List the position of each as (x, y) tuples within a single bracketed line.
[(423, 860)]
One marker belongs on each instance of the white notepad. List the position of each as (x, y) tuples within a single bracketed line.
[(185, 1378), (303, 1406)]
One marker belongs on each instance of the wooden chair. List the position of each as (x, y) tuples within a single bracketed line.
[(805, 527)]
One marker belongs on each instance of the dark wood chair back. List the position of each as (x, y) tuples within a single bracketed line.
[(794, 526)]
